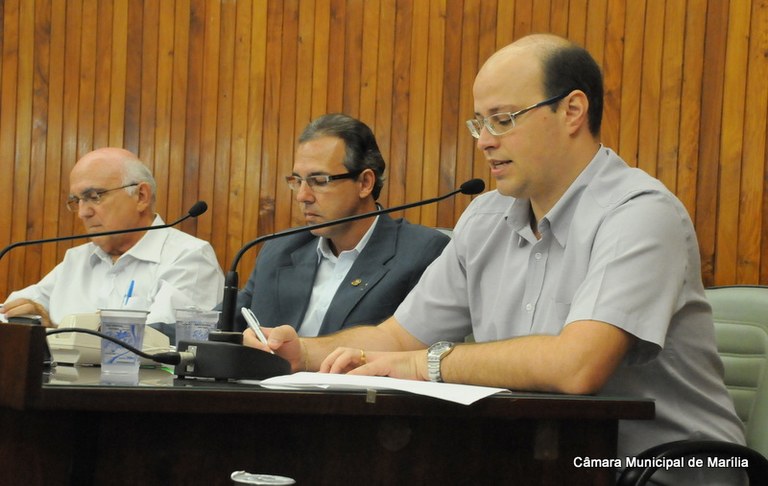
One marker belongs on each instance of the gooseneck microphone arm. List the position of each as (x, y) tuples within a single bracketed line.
[(229, 302), (196, 210)]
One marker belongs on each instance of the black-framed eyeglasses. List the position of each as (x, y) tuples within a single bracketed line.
[(92, 197), (318, 181), (501, 123)]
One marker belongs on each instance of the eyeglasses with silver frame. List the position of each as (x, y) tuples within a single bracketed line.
[(92, 197), (501, 123), (318, 181)]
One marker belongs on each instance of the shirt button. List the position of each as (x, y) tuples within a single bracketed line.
[(529, 307), (537, 256)]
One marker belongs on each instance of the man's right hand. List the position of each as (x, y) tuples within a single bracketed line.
[(284, 341), (23, 307)]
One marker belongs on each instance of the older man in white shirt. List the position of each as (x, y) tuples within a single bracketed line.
[(111, 189)]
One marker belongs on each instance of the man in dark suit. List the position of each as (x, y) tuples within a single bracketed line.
[(347, 274)]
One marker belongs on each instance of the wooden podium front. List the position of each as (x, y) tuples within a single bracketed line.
[(71, 427)]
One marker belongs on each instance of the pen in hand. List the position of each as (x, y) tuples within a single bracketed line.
[(253, 323)]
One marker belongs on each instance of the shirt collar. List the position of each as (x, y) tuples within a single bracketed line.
[(324, 247), (560, 216), (518, 217), (146, 249)]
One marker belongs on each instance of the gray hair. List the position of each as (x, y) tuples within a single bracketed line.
[(135, 171)]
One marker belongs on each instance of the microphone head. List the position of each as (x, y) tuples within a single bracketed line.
[(473, 186), (201, 206)]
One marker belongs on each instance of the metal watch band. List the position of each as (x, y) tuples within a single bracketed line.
[(435, 355)]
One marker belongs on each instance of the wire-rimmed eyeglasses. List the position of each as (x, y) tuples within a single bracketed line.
[(501, 123), (91, 197), (318, 181)]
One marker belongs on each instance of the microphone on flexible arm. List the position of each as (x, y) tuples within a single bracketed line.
[(223, 356), (229, 302), (196, 210)]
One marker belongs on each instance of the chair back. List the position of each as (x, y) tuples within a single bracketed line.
[(741, 327)]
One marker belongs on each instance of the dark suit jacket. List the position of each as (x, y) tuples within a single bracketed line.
[(389, 266)]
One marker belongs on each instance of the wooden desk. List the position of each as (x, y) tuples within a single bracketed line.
[(75, 430)]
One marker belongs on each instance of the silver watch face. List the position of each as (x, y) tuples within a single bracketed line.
[(440, 347)]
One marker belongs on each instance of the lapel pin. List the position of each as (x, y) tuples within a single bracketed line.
[(356, 282)]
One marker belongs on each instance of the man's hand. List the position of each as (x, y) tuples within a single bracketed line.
[(21, 307), (284, 341), (408, 365)]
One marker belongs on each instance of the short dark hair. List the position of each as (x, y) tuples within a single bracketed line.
[(361, 150), (573, 67)]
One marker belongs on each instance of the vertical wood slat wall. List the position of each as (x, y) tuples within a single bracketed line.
[(213, 93)]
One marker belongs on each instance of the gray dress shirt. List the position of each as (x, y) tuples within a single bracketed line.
[(618, 247)]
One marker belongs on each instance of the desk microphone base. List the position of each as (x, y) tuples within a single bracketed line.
[(222, 361)]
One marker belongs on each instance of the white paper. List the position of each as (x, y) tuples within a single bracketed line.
[(463, 394)]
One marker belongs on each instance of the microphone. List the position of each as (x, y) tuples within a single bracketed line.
[(229, 302), (196, 210)]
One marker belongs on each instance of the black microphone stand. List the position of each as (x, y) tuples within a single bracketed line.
[(229, 301), (196, 210)]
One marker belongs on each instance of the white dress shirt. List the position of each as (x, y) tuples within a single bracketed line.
[(169, 269), (330, 273)]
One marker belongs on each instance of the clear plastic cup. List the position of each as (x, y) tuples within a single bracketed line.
[(127, 326), (195, 324)]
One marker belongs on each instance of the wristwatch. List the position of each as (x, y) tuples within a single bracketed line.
[(435, 355)]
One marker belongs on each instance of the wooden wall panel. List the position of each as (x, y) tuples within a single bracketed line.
[(752, 137), (690, 105), (252, 198), (613, 65), (213, 93), (8, 133), (53, 120), (464, 165), (753, 242)]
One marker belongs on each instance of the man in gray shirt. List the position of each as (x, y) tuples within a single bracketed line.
[(577, 275)]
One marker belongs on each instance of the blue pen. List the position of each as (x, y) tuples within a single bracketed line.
[(129, 294)]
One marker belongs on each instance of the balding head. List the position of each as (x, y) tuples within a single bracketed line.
[(116, 160), (562, 66), (123, 191), (537, 106), (539, 46)]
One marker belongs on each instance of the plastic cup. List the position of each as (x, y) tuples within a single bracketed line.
[(195, 324), (127, 326)]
